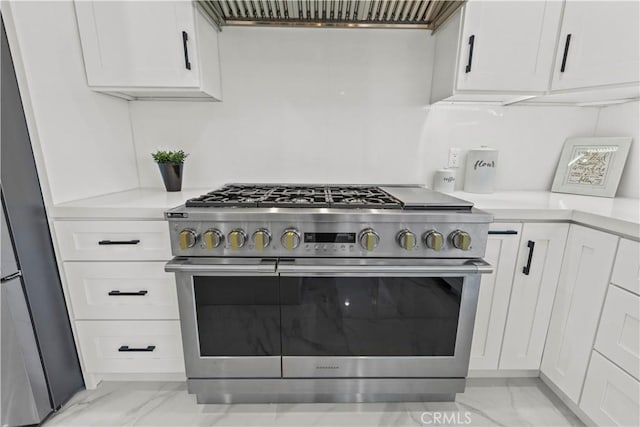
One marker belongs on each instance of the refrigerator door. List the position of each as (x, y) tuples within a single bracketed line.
[(29, 227), (25, 397)]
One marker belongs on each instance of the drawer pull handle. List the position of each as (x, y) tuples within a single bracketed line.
[(119, 242), (185, 38), (566, 51), (527, 268), (126, 348), (127, 294), (503, 232), (472, 40)]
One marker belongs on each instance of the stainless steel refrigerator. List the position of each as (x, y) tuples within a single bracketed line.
[(40, 370)]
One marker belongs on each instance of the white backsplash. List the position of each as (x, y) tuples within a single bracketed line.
[(337, 105)]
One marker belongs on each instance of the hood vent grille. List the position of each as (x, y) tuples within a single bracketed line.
[(416, 14)]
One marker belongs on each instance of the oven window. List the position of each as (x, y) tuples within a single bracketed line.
[(369, 316), (237, 316)]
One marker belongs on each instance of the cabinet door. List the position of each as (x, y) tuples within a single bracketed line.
[(513, 44), (604, 47), (534, 287), (493, 300), (586, 268), (137, 43)]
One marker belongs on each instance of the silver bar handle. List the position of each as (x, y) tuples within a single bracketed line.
[(181, 266), (476, 266)]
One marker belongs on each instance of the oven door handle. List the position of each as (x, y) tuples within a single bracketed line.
[(476, 266), (234, 267)]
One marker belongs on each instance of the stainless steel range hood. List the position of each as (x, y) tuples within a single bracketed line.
[(416, 14)]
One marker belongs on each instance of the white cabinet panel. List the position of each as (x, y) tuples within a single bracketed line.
[(610, 396), (586, 269), (626, 270), (493, 300), (121, 290), (604, 44), (619, 331), (532, 295), (113, 240), (131, 347), (141, 49), (513, 45)]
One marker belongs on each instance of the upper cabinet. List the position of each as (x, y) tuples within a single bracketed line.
[(495, 51), (574, 52), (599, 44), (143, 50)]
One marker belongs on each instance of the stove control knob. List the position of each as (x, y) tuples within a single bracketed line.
[(290, 239), (212, 238), (434, 240), (369, 239), (237, 238), (188, 239), (406, 240), (261, 238), (461, 240)]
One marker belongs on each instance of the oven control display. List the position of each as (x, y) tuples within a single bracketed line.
[(329, 237)]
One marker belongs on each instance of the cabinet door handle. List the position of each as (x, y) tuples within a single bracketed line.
[(119, 242), (185, 37), (472, 40), (566, 51), (127, 294), (503, 232), (527, 268), (126, 348)]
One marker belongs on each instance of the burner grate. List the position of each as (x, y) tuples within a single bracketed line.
[(298, 196)]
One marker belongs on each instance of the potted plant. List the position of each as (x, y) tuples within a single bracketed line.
[(170, 164)]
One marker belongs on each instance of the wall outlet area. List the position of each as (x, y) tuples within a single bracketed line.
[(454, 158)]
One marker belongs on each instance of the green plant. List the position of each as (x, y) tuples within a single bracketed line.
[(175, 157)]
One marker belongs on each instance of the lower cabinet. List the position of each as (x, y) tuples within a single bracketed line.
[(611, 396), (493, 301), (587, 265), (130, 346), (534, 287)]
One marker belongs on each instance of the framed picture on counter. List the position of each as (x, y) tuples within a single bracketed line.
[(591, 166)]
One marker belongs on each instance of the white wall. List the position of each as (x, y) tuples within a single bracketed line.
[(624, 120), (313, 105), (84, 137)]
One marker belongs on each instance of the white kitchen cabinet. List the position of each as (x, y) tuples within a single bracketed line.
[(534, 287), (586, 269), (495, 51), (626, 270), (610, 396), (599, 45), (493, 301), (121, 290), (113, 240), (139, 49), (619, 332)]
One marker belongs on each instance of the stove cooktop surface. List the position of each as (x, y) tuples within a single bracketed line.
[(334, 196)]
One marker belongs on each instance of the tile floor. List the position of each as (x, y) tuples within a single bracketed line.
[(486, 402)]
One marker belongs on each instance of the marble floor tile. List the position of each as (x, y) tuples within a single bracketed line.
[(486, 402)]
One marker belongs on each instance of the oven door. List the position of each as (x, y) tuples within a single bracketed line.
[(229, 316), (378, 317)]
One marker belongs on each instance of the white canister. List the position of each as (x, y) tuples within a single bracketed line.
[(480, 172), (444, 180)]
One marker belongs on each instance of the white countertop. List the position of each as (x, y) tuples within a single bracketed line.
[(618, 215)]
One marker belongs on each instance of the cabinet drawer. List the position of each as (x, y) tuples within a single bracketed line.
[(130, 347), (610, 396), (121, 290), (113, 240), (626, 270), (618, 334)]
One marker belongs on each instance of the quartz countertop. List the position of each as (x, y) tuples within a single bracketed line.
[(617, 215)]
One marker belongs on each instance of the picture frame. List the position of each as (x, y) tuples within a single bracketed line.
[(591, 166)]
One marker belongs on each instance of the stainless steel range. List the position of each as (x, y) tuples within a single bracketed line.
[(327, 293)]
